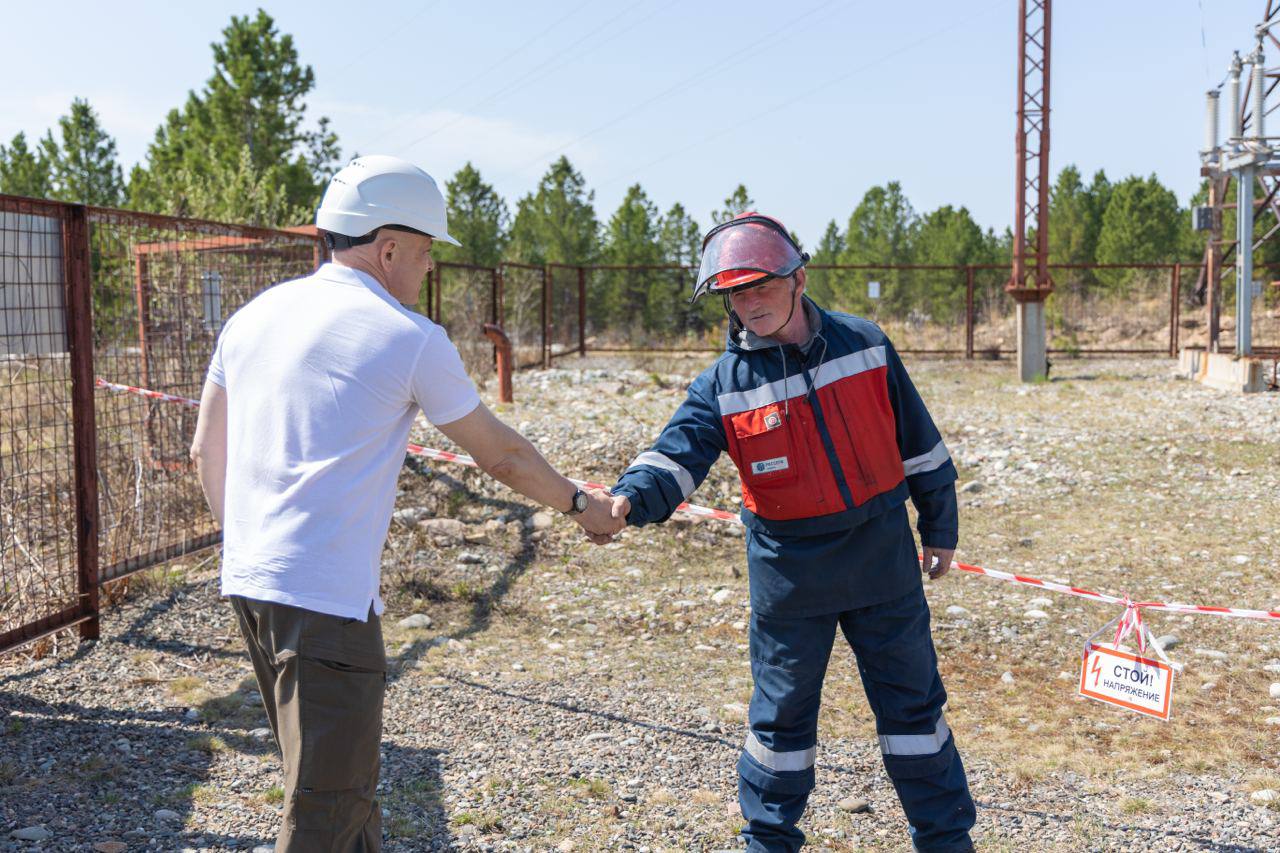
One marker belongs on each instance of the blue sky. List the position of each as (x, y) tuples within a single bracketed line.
[(809, 103)]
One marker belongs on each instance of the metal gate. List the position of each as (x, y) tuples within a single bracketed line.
[(94, 486)]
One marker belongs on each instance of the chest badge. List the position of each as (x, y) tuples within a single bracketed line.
[(769, 466), (773, 420)]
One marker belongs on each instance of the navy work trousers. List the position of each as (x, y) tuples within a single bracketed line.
[(899, 672)]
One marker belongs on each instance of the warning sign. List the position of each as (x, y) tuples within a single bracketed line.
[(1124, 679)]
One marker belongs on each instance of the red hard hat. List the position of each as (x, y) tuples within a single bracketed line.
[(749, 249)]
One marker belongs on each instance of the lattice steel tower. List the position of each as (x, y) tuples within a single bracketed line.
[(1030, 283)]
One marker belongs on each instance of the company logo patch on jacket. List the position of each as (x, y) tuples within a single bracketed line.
[(766, 466), (773, 420)]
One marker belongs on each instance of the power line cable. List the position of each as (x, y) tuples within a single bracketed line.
[(395, 125), (754, 118), (520, 81), (1204, 42), (721, 64), (398, 29)]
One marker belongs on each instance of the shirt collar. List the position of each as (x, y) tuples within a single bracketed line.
[(340, 274)]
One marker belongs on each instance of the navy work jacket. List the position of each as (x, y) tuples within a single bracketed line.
[(829, 439)]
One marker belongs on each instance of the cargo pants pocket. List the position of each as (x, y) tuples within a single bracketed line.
[(340, 717)]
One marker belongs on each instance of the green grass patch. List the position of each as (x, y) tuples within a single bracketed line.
[(206, 743)]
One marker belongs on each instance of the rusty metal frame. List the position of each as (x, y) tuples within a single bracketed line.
[(75, 253), (1030, 280), (85, 572)]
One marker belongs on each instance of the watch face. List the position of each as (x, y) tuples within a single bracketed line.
[(580, 501)]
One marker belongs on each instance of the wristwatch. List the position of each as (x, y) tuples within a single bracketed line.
[(579, 504)]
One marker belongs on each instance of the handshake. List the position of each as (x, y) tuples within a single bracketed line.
[(604, 517)]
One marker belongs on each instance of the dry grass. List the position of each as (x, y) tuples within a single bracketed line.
[(1136, 519), (1136, 524), (147, 496)]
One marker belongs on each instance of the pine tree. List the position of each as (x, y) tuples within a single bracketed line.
[(739, 201), (82, 162), (557, 223), (881, 230), (825, 286), (1070, 212), (254, 102), (23, 170), (1140, 226), (681, 241), (1099, 196), (946, 237), (240, 193), (478, 219), (680, 238), (631, 239)]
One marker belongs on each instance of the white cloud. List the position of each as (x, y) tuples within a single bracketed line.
[(441, 141)]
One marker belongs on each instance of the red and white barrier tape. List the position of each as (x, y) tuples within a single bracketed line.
[(416, 449), (1130, 620), (144, 392), (1237, 612)]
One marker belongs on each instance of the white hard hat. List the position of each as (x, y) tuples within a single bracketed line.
[(378, 190)]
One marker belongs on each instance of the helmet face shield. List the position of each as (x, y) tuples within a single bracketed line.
[(745, 251)]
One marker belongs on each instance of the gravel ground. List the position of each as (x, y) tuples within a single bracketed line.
[(552, 695)]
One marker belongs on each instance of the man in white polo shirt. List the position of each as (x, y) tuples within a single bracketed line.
[(303, 422)]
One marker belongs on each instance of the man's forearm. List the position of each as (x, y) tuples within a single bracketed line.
[(213, 480), (525, 470)]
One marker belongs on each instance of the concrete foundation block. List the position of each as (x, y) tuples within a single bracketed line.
[(1033, 364), (1221, 370)]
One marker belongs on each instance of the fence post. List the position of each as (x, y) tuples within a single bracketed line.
[(500, 296), (1174, 286), (546, 316), (582, 312), (79, 314), (968, 312)]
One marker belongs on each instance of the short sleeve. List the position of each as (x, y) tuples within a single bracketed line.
[(216, 373), (440, 384)]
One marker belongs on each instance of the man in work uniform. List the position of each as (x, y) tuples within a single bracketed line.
[(303, 423), (830, 438)]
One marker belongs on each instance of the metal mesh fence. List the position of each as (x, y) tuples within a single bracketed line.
[(465, 299), (38, 554), (995, 322), (95, 485), (564, 306), (522, 311), (162, 289), (932, 310), (1266, 317), (647, 307), (922, 309), (1110, 309)]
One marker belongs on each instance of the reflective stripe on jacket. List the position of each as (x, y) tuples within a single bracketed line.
[(823, 439)]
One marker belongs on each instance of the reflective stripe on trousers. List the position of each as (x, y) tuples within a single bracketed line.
[(784, 762), (917, 744)]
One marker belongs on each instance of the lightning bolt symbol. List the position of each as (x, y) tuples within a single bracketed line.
[(1096, 669)]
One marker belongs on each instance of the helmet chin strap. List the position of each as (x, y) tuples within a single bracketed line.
[(736, 321), (790, 313)]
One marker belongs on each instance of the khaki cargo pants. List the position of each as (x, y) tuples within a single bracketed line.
[(322, 679)]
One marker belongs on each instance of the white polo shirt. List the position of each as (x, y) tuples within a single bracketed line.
[(324, 377)]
